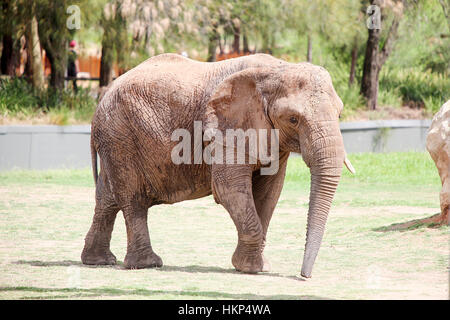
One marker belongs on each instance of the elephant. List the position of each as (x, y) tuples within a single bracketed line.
[(131, 132)]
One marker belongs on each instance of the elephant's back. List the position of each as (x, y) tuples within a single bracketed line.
[(162, 70), (170, 71), (170, 91), (158, 96)]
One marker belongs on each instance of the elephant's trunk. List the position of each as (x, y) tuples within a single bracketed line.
[(326, 167), (321, 196)]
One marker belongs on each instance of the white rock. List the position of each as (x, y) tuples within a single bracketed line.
[(438, 145)]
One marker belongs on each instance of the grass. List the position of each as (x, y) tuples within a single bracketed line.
[(44, 216), (381, 179)]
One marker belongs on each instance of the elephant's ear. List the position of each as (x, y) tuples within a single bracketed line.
[(239, 108), (239, 102)]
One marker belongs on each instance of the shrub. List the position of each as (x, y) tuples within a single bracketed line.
[(416, 87), (18, 99)]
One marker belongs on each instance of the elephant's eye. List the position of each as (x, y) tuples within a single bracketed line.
[(293, 120)]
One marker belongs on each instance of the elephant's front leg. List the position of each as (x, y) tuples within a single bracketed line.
[(266, 192), (232, 186)]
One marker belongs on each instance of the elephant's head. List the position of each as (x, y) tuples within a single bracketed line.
[(299, 100)]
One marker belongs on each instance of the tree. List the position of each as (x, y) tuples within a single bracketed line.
[(236, 23), (309, 19), (113, 24), (10, 39), (211, 19), (217, 21), (57, 24), (34, 57), (267, 18), (135, 30), (347, 17), (18, 25), (107, 57), (54, 36), (375, 57), (445, 4), (213, 41)]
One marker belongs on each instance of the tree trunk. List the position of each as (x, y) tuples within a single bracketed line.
[(272, 44), (106, 62), (369, 85), (354, 55), (34, 61), (245, 42), (28, 72), (265, 42), (236, 39), (221, 51), (212, 45), (374, 60), (7, 59), (54, 40), (121, 43), (309, 52), (106, 68), (58, 68)]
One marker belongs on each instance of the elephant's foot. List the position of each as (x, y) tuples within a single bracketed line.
[(142, 260), (106, 258), (247, 262)]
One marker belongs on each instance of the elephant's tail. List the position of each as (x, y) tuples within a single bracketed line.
[(94, 159)]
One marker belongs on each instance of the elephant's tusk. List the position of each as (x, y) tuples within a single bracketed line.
[(349, 166)]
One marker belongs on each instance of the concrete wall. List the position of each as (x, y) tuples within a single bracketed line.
[(46, 147), (385, 135)]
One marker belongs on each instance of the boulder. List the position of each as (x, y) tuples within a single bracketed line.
[(438, 145)]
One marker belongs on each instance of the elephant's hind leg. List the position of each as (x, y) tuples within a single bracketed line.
[(96, 248), (139, 250), (131, 196)]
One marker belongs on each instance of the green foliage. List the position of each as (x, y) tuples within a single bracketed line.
[(349, 95), (423, 88), (415, 74), (423, 41), (19, 99), (16, 94)]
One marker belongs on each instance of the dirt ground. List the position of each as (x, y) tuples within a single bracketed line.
[(390, 113), (42, 235)]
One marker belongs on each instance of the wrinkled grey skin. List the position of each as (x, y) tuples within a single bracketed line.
[(131, 131)]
